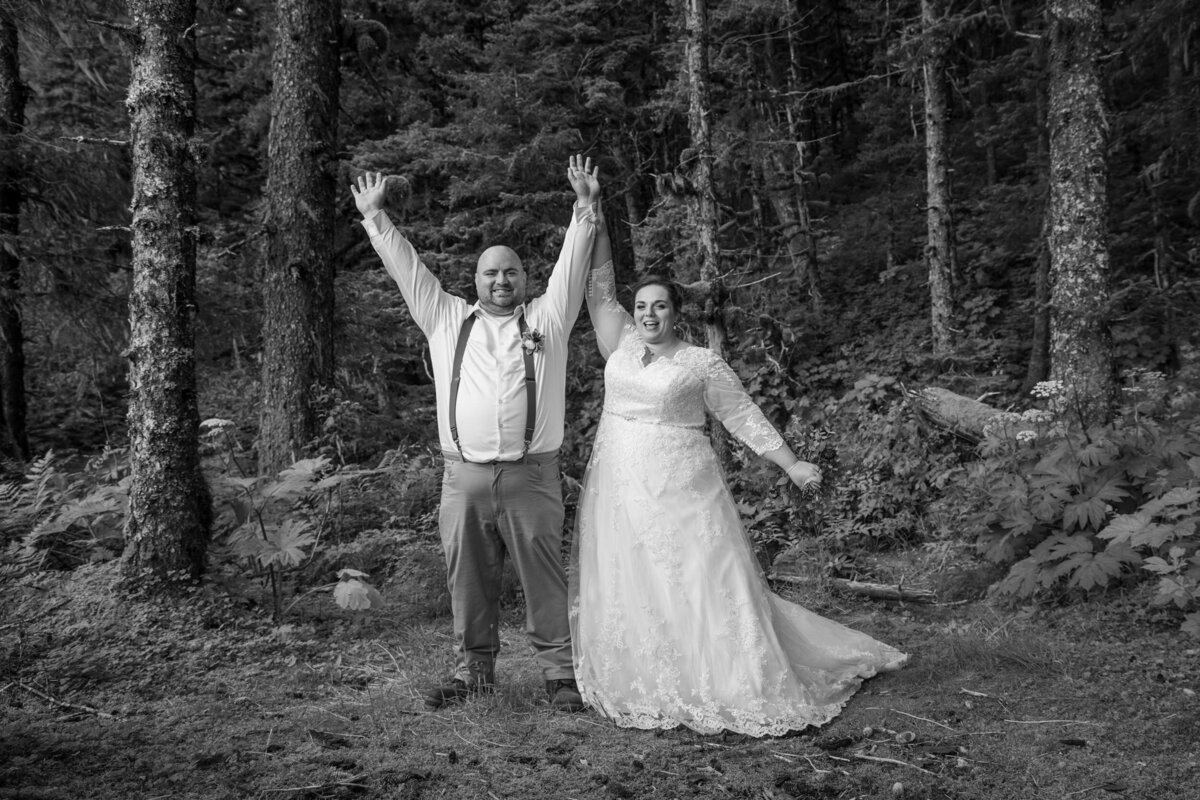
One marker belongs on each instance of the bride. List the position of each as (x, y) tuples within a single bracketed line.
[(672, 622)]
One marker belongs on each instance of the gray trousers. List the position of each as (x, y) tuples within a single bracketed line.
[(488, 510)]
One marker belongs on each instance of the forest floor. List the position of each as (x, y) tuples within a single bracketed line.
[(106, 697)]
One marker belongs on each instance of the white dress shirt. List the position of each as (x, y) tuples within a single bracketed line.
[(491, 395)]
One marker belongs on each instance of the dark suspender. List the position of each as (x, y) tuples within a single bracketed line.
[(456, 377), (530, 387), (530, 382)]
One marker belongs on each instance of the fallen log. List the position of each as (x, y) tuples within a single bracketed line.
[(962, 416), (965, 417), (879, 591)]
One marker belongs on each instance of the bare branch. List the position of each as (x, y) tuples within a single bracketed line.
[(127, 32), (95, 140), (64, 703)]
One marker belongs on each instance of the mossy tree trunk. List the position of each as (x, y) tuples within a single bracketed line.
[(170, 513), (939, 243), (698, 163), (14, 443), (1080, 341), (298, 298)]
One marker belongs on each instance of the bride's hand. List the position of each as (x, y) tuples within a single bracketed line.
[(805, 475)]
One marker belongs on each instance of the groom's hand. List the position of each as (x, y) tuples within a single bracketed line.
[(370, 190)]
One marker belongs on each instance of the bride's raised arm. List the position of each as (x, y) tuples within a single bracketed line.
[(608, 317)]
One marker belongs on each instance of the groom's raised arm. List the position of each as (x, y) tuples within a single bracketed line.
[(423, 293), (568, 280)]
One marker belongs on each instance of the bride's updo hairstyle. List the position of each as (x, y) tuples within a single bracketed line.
[(674, 290)]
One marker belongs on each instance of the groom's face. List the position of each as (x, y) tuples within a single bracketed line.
[(500, 280)]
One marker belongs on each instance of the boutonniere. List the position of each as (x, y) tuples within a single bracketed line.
[(533, 341)]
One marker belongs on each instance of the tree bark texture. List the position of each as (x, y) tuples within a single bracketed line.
[(939, 245), (703, 208), (1038, 368), (14, 442), (298, 297), (170, 512), (1080, 341), (802, 240)]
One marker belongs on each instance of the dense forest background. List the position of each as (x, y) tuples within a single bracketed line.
[(822, 279)]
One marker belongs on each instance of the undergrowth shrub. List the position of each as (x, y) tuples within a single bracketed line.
[(304, 525), (895, 465), (273, 524), (56, 518), (1078, 508), (884, 469)]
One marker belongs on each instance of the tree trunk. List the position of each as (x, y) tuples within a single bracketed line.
[(801, 239), (790, 203), (14, 442), (170, 513), (703, 208), (1182, 124), (939, 246), (298, 284), (1080, 342), (1038, 368)]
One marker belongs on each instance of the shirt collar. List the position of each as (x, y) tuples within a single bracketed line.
[(475, 308)]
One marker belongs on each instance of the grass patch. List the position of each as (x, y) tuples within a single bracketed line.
[(958, 648)]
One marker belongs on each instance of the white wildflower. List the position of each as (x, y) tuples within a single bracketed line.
[(1049, 390)]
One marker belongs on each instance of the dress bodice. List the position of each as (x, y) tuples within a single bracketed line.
[(677, 390), (667, 391)]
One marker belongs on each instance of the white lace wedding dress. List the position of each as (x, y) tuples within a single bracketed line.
[(672, 621)]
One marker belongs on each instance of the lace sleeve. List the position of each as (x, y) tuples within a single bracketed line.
[(609, 318), (728, 401)]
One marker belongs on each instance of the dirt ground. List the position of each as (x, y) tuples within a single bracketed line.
[(104, 696)]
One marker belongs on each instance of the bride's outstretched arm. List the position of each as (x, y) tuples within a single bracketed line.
[(729, 402), (608, 317)]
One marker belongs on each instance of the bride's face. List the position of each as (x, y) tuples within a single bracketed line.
[(654, 315)]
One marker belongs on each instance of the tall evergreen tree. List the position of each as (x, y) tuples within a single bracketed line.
[(14, 441), (170, 512), (1038, 368), (1080, 343), (939, 243), (298, 297)]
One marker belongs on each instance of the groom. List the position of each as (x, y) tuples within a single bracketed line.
[(499, 368)]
